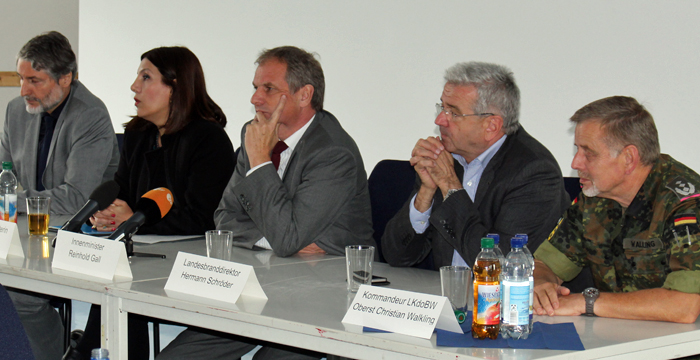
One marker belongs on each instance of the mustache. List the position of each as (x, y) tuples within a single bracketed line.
[(582, 174), (31, 98)]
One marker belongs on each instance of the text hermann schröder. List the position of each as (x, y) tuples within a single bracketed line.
[(211, 268)]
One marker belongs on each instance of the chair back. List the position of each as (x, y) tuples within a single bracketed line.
[(573, 187), (390, 185), (14, 343)]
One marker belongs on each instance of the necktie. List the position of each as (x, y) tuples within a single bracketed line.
[(276, 151), (48, 127)]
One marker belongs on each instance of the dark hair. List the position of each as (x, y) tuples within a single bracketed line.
[(182, 72), (50, 52), (625, 122), (302, 69)]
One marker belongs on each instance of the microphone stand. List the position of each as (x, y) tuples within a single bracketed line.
[(129, 243)]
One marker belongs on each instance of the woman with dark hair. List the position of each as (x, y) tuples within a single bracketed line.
[(177, 141)]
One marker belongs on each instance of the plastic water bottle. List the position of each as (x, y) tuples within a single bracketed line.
[(486, 321), (532, 279), (496, 239), (515, 322), (8, 193), (99, 354)]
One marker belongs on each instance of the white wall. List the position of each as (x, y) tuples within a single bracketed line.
[(21, 20), (384, 60)]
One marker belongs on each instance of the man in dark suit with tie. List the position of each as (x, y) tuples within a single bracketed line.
[(299, 186), (61, 141), (484, 174)]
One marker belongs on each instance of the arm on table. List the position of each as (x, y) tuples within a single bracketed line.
[(649, 304)]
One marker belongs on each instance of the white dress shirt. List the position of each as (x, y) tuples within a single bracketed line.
[(291, 142)]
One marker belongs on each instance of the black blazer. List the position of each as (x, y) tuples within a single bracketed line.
[(520, 191), (195, 164)]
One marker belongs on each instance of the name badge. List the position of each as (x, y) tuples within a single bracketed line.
[(214, 279), (642, 244), (9, 240), (79, 254), (401, 311)]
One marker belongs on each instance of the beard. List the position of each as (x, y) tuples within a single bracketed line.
[(50, 101), (592, 190)]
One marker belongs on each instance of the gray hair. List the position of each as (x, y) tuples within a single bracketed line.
[(302, 69), (496, 88), (625, 122), (50, 52)]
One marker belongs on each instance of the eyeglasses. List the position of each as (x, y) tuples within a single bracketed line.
[(450, 115)]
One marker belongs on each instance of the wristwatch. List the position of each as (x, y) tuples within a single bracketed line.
[(449, 193), (590, 294)]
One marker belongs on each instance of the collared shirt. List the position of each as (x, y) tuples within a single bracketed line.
[(470, 182), (291, 142), (46, 132)]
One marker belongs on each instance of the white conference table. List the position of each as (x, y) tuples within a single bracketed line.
[(307, 299)]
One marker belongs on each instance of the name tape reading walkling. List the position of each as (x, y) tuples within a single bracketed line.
[(401, 311), (214, 279)]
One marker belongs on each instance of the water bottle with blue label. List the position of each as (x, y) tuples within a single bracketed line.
[(515, 322)]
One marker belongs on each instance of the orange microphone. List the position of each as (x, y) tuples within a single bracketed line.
[(152, 207)]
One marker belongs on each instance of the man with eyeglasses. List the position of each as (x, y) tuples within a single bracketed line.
[(483, 174)]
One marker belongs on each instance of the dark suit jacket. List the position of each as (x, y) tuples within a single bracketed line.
[(322, 199), (520, 191), (195, 164)]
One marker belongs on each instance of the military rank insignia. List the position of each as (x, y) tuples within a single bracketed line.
[(682, 188)]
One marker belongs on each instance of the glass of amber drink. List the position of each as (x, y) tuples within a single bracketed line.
[(38, 214)]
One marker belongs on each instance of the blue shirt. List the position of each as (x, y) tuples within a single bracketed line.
[(470, 182)]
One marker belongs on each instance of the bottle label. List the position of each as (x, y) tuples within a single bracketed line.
[(532, 292), (516, 302), (488, 304), (9, 208)]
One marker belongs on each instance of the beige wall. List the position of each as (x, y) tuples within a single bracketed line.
[(20, 20)]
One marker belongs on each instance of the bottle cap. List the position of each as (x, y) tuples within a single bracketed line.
[(517, 242), (496, 238), (522, 236), (486, 243), (7, 165), (99, 353)]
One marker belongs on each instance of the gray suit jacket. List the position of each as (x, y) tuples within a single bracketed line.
[(83, 153), (322, 199), (520, 191)]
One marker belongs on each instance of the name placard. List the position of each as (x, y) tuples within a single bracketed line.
[(9, 240), (214, 279), (401, 311), (84, 254)]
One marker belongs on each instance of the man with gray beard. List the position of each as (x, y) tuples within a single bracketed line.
[(635, 225), (61, 142)]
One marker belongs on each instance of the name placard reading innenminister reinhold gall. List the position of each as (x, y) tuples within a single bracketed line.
[(84, 254), (213, 278), (400, 311)]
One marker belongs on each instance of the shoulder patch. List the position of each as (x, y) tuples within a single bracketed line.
[(682, 188)]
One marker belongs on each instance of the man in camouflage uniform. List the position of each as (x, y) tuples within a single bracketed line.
[(635, 224)]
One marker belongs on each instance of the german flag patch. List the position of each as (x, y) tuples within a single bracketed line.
[(685, 219)]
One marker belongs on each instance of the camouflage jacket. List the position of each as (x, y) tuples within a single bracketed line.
[(654, 243)]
